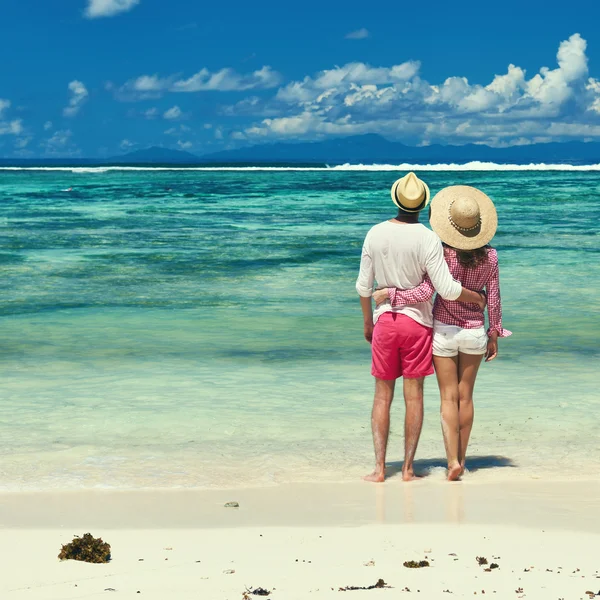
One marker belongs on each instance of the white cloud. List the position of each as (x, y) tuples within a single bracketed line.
[(14, 127), (359, 34), (60, 138), (340, 79), (562, 103), (47, 125), (127, 144), (184, 145), (173, 113), (151, 113), (225, 80), (108, 8), (22, 143), (79, 95), (177, 131)]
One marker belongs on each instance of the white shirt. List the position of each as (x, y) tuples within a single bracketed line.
[(399, 255)]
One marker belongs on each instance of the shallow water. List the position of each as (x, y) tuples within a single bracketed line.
[(201, 329)]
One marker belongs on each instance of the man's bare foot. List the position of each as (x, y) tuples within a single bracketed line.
[(409, 475), (454, 471), (375, 477)]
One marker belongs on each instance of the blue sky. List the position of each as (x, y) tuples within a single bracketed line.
[(100, 77)]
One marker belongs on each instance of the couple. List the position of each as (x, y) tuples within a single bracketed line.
[(407, 331)]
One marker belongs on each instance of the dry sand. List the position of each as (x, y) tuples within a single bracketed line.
[(303, 541)]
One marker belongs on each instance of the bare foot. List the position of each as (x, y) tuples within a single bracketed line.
[(409, 475), (454, 472), (462, 468), (375, 476)]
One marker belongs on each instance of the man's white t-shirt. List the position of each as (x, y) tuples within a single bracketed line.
[(399, 255)]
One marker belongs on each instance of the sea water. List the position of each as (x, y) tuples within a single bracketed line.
[(165, 329)]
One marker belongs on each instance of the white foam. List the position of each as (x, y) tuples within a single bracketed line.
[(470, 166)]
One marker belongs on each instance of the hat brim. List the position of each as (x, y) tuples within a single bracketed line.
[(401, 206), (463, 240)]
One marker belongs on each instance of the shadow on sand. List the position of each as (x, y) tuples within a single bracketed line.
[(424, 466)]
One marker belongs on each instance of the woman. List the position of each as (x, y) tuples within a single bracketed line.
[(465, 220)]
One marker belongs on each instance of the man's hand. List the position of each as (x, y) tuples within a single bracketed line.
[(492, 347), (380, 296), (369, 331)]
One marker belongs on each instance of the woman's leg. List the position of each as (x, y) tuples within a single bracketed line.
[(446, 370), (468, 365)]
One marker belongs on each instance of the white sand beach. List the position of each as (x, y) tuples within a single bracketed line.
[(302, 541)]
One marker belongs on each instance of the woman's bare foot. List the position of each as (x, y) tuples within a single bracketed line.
[(409, 475), (455, 470), (376, 476)]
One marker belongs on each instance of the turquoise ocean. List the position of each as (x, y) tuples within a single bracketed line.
[(200, 328)]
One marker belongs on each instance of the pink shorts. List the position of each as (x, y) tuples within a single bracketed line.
[(401, 347)]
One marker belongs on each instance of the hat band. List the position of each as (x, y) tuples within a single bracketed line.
[(457, 226)]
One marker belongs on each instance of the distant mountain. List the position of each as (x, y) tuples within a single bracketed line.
[(155, 155), (366, 149), (371, 148)]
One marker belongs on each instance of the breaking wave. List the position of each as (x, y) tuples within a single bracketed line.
[(470, 166)]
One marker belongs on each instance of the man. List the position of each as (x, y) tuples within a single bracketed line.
[(398, 253)]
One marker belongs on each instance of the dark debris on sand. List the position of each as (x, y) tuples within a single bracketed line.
[(482, 560), (413, 564), (380, 584), (87, 549), (255, 592)]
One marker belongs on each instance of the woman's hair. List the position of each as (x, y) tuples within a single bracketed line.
[(469, 259)]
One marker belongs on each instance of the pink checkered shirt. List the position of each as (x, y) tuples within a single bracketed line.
[(461, 314)]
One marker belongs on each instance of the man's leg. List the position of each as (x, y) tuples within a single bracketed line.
[(380, 424), (446, 369), (413, 423)]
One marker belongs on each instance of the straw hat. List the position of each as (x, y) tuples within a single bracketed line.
[(464, 217), (410, 193)]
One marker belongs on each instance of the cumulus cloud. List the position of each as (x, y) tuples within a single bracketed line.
[(173, 113), (127, 144), (225, 80), (14, 127), (47, 125), (79, 95), (359, 34), (184, 145), (108, 8), (559, 103)]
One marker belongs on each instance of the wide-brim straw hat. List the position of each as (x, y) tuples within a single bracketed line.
[(463, 217), (410, 193)]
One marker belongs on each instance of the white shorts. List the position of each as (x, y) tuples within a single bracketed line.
[(449, 340)]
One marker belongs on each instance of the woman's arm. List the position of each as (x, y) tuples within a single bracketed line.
[(494, 303), (422, 293)]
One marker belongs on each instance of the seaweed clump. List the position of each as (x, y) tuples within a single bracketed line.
[(380, 584), (413, 564), (86, 548), (482, 560)]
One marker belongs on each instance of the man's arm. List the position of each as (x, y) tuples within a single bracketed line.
[(367, 311), (364, 287)]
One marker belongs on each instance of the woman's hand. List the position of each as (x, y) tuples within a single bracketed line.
[(482, 302), (380, 296), (492, 347)]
